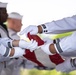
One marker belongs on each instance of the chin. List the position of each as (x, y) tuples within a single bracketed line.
[(18, 31)]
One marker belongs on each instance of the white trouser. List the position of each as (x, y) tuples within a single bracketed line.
[(67, 45), (12, 67), (1, 67)]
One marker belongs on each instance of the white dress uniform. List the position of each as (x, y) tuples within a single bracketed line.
[(13, 65), (3, 60), (61, 26), (67, 45), (3, 33), (3, 50)]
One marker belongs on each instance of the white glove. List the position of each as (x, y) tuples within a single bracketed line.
[(18, 52), (66, 66), (32, 29), (32, 45), (6, 42)]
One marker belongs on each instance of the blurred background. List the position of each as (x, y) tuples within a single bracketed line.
[(36, 12), (43, 72)]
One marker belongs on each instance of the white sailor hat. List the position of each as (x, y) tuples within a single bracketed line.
[(15, 15), (3, 5)]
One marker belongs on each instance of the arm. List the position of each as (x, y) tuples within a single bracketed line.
[(67, 66), (59, 26), (11, 52), (67, 44), (18, 43)]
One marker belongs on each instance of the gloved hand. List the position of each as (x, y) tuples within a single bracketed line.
[(32, 45), (66, 66), (32, 29), (6, 42)]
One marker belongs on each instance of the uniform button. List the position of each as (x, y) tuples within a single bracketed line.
[(46, 30)]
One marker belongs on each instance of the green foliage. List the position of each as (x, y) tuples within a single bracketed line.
[(45, 72)]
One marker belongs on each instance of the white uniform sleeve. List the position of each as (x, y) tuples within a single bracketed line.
[(67, 44), (4, 51), (60, 26), (18, 52)]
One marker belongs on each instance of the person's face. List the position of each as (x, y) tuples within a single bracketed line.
[(15, 24), (3, 15)]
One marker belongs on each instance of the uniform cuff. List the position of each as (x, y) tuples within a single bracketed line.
[(44, 28), (58, 48)]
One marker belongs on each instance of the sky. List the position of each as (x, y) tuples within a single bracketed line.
[(37, 12)]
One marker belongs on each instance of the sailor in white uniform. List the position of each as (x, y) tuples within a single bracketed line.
[(65, 46), (29, 45), (13, 28), (3, 33), (14, 24), (6, 49)]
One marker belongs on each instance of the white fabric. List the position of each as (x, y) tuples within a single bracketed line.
[(3, 34), (2, 58), (13, 34), (68, 44), (43, 57), (65, 66), (61, 26), (32, 45), (5, 42), (1, 67), (18, 52), (3, 50), (12, 67), (11, 70), (15, 15), (32, 29), (3, 5), (47, 40), (45, 48)]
